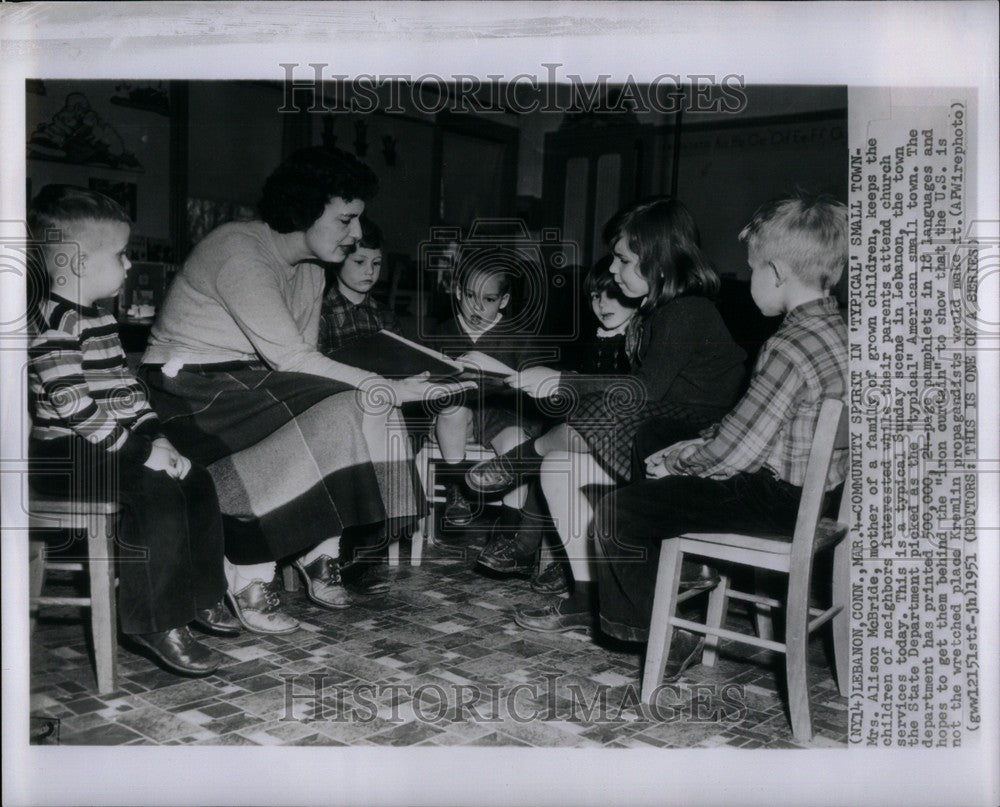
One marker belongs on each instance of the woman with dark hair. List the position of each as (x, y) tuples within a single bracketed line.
[(303, 449), (686, 372)]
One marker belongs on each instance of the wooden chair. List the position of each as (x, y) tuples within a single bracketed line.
[(97, 521), (791, 555), (426, 458)]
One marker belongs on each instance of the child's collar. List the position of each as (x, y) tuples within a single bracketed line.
[(603, 333)]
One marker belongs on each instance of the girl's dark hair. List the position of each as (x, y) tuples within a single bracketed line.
[(371, 234), (661, 231), (298, 191), (599, 279)]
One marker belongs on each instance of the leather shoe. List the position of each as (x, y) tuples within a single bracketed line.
[(363, 578), (258, 609), (492, 477), (217, 621), (178, 651), (551, 618), (685, 650), (697, 577), (551, 580), (323, 584), (457, 509), (501, 556)]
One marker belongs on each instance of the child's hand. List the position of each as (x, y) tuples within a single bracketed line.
[(164, 457), (665, 462), (538, 382)]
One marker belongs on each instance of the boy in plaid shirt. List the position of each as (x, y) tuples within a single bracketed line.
[(745, 474)]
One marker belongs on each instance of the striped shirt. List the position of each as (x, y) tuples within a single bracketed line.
[(80, 384), (774, 423)]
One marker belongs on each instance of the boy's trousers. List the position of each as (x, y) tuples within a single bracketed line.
[(169, 540), (631, 522)]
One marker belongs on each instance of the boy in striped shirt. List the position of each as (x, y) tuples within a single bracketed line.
[(94, 435)]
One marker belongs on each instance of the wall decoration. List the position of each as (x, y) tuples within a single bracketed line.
[(35, 86), (124, 193), (77, 134), (143, 95)]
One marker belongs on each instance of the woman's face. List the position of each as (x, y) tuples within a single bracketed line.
[(625, 268), (336, 231), (609, 311)]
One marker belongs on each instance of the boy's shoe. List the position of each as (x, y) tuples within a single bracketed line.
[(216, 621), (323, 584), (552, 619), (685, 650), (501, 555), (178, 651), (697, 577), (457, 510), (551, 580), (364, 578), (258, 608), (492, 477)]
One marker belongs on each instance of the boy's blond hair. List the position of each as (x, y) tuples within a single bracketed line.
[(807, 232)]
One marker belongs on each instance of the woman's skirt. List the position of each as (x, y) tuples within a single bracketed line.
[(610, 419), (296, 458)]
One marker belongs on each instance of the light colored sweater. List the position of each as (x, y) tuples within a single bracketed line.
[(237, 299)]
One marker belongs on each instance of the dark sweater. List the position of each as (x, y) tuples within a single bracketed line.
[(686, 355)]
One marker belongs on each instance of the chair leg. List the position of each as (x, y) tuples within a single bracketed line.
[(36, 578), (429, 488), (763, 618), (796, 644), (393, 550), (103, 611), (842, 621), (715, 618), (661, 628)]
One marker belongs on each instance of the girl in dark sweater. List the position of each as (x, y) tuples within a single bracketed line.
[(686, 369)]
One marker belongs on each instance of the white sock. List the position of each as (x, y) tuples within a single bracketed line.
[(329, 547), (239, 577)]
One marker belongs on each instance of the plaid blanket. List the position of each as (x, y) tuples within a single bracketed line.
[(296, 458)]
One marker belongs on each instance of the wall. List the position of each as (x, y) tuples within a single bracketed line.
[(89, 123)]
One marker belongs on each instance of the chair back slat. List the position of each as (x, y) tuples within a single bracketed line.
[(831, 430)]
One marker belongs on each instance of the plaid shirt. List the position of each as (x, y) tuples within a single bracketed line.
[(773, 424), (342, 321)]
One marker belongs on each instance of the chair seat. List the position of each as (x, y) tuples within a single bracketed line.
[(828, 532)]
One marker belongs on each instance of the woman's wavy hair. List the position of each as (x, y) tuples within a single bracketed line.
[(298, 191), (661, 231)]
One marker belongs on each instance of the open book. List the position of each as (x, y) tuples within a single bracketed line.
[(394, 356)]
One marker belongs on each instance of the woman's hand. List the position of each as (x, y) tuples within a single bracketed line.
[(419, 388), (538, 382), (664, 463)]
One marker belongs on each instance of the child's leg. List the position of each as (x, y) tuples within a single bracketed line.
[(206, 537), (567, 480), (452, 431), (631, 523), (163, 590), (503, 442)]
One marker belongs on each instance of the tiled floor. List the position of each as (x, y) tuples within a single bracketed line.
[(437, 661)]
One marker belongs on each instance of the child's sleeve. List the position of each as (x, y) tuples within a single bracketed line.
[(57, 361), (746, 434)]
